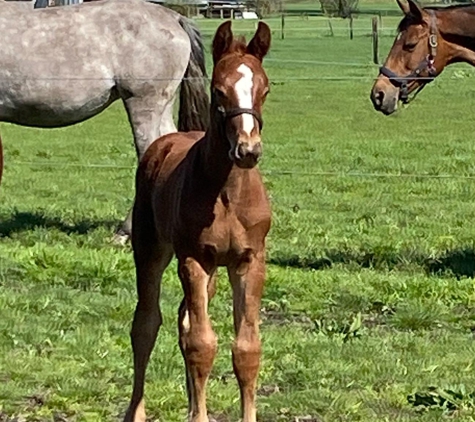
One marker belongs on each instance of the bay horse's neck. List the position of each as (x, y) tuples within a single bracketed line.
[(457, 27)]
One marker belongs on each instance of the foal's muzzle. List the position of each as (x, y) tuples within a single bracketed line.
[(246, 149), (246, 154)]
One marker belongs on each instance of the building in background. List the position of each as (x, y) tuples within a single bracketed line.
[(224, 9)]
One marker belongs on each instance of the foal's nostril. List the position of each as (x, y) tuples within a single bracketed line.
[(378, 97), (248, 155), (246, 150)]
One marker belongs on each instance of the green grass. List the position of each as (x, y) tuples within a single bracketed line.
[(364, 6), (369, 301), (367, 7)]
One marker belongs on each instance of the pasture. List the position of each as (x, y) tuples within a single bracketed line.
[(369, 307)]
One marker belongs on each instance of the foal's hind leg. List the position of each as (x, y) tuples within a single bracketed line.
[(247, 281), (151, 259), (150, 117), (198, 342)]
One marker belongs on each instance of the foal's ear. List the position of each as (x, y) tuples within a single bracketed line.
[(260, 43), (222, 41), (411, 8)]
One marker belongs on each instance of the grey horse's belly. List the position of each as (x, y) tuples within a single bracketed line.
[(55, 104)]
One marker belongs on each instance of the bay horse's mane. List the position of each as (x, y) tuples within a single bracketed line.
[(470, 7), (463, 27)]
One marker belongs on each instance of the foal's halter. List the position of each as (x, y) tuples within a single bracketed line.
[(427, 64), (229, 114)]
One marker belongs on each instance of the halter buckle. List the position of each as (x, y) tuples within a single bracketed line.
[(433, 40)]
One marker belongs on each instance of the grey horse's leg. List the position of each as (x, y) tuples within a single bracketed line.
[(150, 118)]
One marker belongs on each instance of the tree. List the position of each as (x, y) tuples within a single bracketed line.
[(265, 7), (339, 8)]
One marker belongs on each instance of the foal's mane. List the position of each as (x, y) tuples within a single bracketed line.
[(238, 45)]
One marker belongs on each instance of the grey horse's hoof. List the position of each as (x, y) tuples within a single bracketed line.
[(120, 238)]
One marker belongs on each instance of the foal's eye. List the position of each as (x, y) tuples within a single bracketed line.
[(266, 91), (219, 93)]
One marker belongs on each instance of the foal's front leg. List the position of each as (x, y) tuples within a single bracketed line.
[(247, 281), (198, 341)]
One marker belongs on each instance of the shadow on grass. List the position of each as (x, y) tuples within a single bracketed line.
[(460, 261), (23, 221), (380, 259)]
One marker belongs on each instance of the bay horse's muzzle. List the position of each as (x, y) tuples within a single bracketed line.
[(384, 96)]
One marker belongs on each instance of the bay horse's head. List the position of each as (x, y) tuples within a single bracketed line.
[(238, 90), (413, 61)]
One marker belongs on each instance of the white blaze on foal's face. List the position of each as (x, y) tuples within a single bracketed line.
[(243, 89)]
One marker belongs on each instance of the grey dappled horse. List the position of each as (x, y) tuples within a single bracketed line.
[(62, 65)]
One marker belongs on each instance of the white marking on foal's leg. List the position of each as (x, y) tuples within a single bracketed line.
[(244, 95), (186, 322)]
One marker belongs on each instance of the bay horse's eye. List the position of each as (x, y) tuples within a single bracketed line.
[(410, 45), (265, 93)]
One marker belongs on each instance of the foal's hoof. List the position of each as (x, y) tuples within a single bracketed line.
[(137, 415), (120, 238)]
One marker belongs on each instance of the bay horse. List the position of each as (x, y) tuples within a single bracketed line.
[(62, 65), (199, 196), (428, 40)]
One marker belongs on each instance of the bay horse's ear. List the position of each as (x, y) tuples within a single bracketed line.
[(222, 41), (411, 8), (404, 6), (260, 43)]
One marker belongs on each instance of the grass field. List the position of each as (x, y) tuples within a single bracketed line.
[(369, 309), (364, 6)]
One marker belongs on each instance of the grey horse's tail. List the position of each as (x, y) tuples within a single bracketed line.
[(1, 159), (194, 102)]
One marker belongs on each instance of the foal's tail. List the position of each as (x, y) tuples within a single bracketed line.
[(194, 102)]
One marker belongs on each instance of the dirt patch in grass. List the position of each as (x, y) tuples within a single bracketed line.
[(279, 318)]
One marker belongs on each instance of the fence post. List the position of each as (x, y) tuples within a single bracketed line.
[(375, 36), (331, 27), (351, 27), (282, 36)]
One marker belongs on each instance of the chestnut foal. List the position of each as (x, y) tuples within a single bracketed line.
[(200, 196)]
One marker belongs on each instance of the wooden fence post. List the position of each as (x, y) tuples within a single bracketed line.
[(351, 27), (282, 36), (331, 27), (375, 36)]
